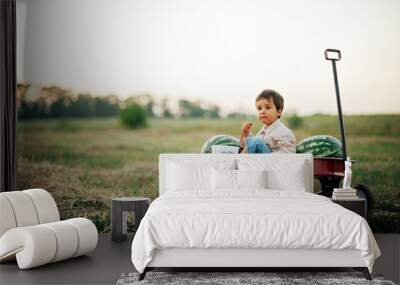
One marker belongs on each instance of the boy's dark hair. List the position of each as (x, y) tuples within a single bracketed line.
[(276, 97)]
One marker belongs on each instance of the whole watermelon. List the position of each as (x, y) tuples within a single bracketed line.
[(321, 146), (219, 140)]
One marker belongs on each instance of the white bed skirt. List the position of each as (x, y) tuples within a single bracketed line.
[(193, 257)]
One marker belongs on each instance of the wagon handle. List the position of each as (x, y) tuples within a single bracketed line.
[(328, 56), (329, 53)]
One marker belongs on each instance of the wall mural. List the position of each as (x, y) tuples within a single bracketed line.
[(86, 147)]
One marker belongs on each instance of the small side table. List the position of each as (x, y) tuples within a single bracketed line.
[(119, 213), (357, 205)]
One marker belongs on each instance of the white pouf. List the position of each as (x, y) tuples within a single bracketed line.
[(31, 232)]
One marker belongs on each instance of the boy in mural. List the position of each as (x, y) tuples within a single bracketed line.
[(274, 136)]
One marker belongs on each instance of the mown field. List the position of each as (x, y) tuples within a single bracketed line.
[(84, 163)]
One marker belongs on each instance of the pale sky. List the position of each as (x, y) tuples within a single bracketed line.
[(222, 52)]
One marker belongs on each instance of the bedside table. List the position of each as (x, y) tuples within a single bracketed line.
[(119, 213), (357, 205)]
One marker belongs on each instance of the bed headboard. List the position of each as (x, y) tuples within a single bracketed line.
[(268, 158)]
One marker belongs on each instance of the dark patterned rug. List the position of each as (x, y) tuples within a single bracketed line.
[(225, 278)]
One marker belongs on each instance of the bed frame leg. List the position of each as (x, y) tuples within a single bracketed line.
[(143, 274), (364, 271)]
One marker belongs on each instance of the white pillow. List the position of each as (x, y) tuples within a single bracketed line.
[(183, 178), (227, 179), (251, 178), (282, 174), (193, 175), (223, 179), (293, 180)]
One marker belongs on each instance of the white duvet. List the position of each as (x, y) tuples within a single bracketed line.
[(253, 218)]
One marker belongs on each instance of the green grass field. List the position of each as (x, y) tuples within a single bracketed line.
[(84, 163)]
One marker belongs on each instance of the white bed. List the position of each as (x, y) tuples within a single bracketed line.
[(228, 218)]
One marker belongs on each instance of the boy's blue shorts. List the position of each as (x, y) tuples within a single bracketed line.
[(256, 145)]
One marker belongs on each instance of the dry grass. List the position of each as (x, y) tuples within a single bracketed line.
[(84, 163)]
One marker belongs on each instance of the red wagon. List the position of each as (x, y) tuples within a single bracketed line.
[(330, 171)]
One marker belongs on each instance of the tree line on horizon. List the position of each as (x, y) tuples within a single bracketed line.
[(56, 102)]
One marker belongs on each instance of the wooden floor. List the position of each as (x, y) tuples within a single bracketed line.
[(111, 259)]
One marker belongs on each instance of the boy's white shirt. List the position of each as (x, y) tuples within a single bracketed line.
[(278, 137)]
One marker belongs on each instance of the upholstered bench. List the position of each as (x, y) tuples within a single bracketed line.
[(31, 230)]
